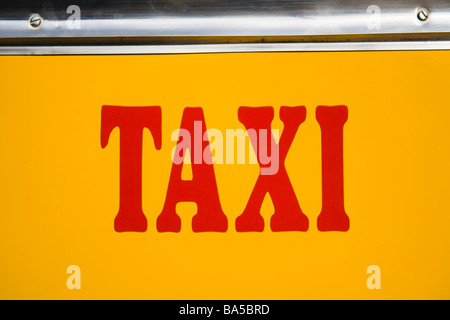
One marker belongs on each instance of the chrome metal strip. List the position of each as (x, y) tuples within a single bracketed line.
[(170, 18), (156, 26), (226, 48)]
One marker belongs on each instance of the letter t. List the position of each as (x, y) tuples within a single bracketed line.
[(131, 122)]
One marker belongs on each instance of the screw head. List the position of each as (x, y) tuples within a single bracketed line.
[(423, 14), (35, 21)]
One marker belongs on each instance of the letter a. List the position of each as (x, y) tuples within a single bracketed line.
[(374, 280), (74, 280), (202, 189)]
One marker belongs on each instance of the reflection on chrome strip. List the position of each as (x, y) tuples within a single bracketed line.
[(46, 27), (227, 48)]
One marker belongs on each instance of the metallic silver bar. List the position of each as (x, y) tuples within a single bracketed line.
[(156, 26), (226, 48), (167, 18)]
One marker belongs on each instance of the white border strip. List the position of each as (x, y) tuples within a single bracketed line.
[(227, 48)]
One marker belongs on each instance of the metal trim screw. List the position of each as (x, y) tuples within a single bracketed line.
[(423, 14), (35, 21)]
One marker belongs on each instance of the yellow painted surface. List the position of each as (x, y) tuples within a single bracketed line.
[(59, 190)]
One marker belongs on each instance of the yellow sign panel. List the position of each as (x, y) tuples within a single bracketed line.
[(60, 185)]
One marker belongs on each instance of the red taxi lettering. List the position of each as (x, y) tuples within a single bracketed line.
[(131, 122), (333, 216), (288, 216), (202, 189)]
